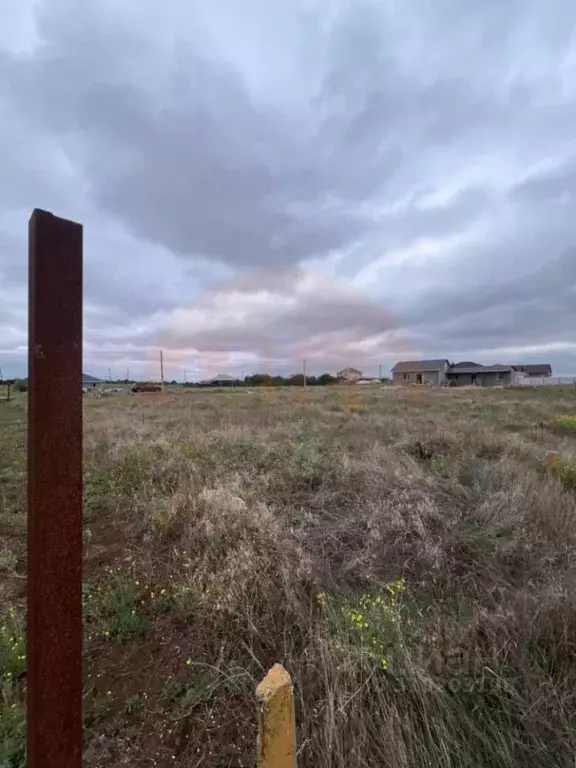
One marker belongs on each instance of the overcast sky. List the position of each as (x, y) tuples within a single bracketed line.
[(262, 182)]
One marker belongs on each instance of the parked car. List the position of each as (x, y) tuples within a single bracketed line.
[(137, 388)]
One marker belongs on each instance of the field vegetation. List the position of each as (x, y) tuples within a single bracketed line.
[(407, 555)]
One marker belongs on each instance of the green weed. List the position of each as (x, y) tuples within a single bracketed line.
[(133, 705), (12, 669), (203, 683), (565, 471), (12, 730), (12, 646), (114, 609), (372, 625), (565, 424)]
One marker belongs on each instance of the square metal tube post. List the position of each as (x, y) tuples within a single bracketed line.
[(54, 622)]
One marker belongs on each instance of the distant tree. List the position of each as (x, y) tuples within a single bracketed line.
[(259, 380), (21, 385), (326, 378)]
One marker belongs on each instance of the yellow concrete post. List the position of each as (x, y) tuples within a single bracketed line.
[(276, 720), (552, 460)]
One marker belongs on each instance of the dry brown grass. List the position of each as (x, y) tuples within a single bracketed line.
[(229, 531)]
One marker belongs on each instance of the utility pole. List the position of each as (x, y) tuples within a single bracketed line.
[(127, 374), (304, 371), (380, 371), (185, 377), (162, 370), (110, 375)]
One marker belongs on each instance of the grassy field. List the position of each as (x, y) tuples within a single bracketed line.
[(405, 554)]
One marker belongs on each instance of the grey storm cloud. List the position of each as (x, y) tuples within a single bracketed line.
[(195, 164), (557, 186), (212, 153), (505, 312)]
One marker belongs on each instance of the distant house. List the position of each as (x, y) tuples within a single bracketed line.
[(540, 369), (420, 372), (90, 382), (222, 380), (467, 373), (483, 375), (349, 375)]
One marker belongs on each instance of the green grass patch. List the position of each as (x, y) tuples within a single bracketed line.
[(120, 607), (12, 670), (565, 471), (202, 684), (12, 731), (12, 646), (371, 626), (565, 424), (115, 609), (133, 705)]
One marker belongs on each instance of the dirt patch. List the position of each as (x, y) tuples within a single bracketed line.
[(110, 542), (215, 728)]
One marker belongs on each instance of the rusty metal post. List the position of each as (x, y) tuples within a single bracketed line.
[(54, 644)]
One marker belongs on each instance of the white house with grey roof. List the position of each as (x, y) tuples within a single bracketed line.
[(90, 382), (421, 372), (444, 373)]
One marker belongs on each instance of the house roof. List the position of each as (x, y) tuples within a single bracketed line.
[(538, 369), (344, 371), (87, 379), (223, 377), (411, 366), (466, 364), (482, 369)]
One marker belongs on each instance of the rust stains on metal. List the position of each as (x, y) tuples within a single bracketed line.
[(54, 645)]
